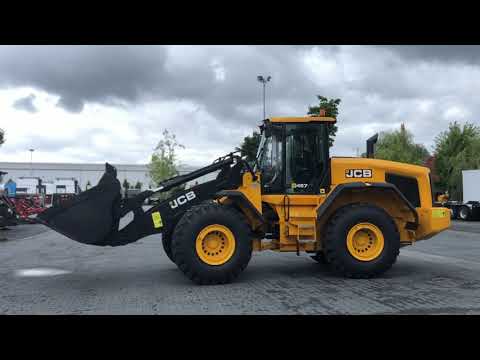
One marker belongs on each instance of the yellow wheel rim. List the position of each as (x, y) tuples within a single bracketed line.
[(215, 244), (365, 242)]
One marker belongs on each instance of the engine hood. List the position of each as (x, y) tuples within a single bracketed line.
[(371, 170)]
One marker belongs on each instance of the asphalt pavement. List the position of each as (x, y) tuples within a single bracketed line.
[(42, 272)]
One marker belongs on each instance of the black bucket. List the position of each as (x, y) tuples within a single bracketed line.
[(90, 217)]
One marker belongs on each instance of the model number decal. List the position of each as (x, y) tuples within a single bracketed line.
[(358, 173), (182, 200), (299, 186)]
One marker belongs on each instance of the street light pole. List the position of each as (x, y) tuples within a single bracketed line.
[(31, 161), (264, 82)]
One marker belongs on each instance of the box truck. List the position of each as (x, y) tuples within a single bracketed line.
[(469, 208)]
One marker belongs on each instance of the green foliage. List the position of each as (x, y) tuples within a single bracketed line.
[(138, 185), (456, 149), (126, 184), (2, 137), (398, 146), (163, 161), (249, 146), (331, 109)]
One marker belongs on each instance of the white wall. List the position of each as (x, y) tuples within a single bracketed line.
[(83, 173), (471, 185)]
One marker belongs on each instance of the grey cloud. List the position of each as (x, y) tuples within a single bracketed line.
[(83, 73), (80, 74), (380, 85), (443, 53), (70, 103), (26, 104)]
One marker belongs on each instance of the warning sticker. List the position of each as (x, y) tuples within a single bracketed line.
[(157, 220), (438, 213)]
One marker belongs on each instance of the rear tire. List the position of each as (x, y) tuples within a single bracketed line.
[(212, 244), (361, 241), (464, 213)]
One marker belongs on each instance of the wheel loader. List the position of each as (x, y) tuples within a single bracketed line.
[(352, 214)]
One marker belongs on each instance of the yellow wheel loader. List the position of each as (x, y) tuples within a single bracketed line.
[(353, 214)]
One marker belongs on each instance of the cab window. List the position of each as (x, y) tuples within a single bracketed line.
[(306, 157)]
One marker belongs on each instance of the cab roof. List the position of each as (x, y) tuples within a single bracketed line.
[(302, 119)]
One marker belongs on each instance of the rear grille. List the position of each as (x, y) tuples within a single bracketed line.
[(408, 187)]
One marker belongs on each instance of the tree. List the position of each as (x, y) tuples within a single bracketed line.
[(163, 163), (331, 109), (138, 185), (456, 149), (249, 146), (399, 146), (2, 137), (126, 184)]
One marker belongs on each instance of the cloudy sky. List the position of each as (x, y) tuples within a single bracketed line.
[(111, 103)]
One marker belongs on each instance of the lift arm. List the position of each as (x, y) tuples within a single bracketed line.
[(93, 217)]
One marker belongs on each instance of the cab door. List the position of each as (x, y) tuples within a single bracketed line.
[(306, 158)]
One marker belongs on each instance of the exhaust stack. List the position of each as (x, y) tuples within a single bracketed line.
[(371, 146)]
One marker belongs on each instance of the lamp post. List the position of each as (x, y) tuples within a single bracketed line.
[(31, 161), (264, 81)]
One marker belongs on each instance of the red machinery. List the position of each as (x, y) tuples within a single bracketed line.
[(26, 206)]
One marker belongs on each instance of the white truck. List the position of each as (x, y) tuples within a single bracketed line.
[(66, 186), (28, 185), (469, 208)]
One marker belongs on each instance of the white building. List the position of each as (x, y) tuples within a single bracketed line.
[(83, 173)]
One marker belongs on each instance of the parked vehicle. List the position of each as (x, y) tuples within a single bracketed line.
[(469, 208), (8, 216)]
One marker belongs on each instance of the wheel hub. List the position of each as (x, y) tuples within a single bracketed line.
[(215, 244), (365, 242)]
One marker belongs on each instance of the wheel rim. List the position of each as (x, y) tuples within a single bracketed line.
[(365, 242), (215, 244), (463, 213)]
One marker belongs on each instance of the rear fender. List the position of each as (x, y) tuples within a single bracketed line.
[(384, 195)]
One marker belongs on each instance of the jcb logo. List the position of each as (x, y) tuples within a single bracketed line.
[(182, 200), (358, 173)]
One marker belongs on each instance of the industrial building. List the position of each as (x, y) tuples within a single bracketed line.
[(83, 173)]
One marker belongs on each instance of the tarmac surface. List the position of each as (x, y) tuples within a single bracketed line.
[(42, 272)]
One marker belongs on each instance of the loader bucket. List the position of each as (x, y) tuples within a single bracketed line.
[(89, 217)]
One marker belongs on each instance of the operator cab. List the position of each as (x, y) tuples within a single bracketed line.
[(293, 155)]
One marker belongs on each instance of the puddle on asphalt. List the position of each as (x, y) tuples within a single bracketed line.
[(37, 272)]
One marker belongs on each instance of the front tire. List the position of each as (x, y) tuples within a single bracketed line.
[(211, 244), (362, 241), (167, 245), (320, 258)]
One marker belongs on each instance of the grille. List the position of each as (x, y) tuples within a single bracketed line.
[(408, 187)]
